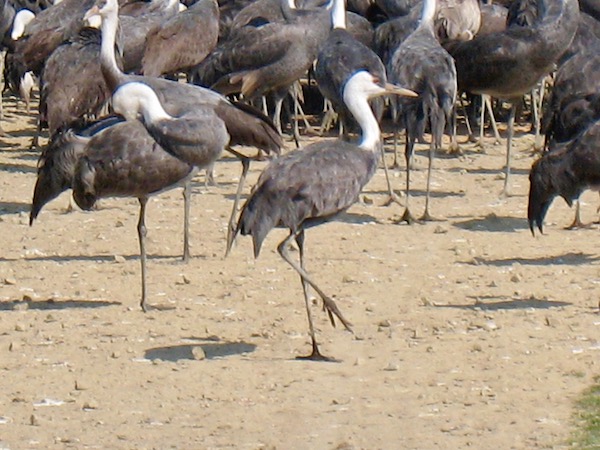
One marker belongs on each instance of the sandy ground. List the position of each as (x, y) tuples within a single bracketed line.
[(468, 332)]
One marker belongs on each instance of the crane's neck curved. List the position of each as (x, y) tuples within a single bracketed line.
[(338, 14), (108, 60), (135, 100), (22, 18), (356, 100)]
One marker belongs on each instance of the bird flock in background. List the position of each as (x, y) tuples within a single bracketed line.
[(138, 96)]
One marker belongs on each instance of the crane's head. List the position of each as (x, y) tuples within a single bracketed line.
[(138, 101), (541, 194), (367, 85), (56, 168), (100, 10)]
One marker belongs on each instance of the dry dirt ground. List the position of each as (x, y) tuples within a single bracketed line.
[(468, 332)]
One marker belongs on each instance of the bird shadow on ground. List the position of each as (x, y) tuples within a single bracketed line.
[(96, 258), (494, 223), (489, 171), (212, 350), (51, 304), (24, 168), (491, 303), (14, 207), (421, 193), (356, 218), (568, 259), (8, 147)]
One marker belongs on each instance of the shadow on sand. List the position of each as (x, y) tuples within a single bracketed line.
[(211, 350), (54, 305), (492, 303)]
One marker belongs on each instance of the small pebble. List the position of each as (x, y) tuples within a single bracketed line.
[(198, 353), (10, 281), (392, 367), (34, 421), (119, 259), (90, 404), (81, 385)]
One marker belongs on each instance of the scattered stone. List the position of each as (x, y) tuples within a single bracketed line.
[(385, 323), (90, 404), (198, 353), (492, 284), (119, 224), (21, 306), (81, 385), (348, 279), (367, 200), (20, 327), (115, 355), (119, 259), (417, 333), (516, 278), (392, 367), (10, 281), (440, 230), (14, 346), (34, 421)]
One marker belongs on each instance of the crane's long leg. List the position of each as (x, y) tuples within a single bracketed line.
[(438, 124), (231, 225), (187, 200), (454, 147), (141, 229), (511, 130), (315, 355), (328, 303), (577, 223), (393, 198), (410, 145), (2, 61), (490, 110)]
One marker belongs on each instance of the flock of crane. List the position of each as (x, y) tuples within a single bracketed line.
[(94, 56)]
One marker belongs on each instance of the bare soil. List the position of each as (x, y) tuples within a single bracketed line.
[(468, 332)]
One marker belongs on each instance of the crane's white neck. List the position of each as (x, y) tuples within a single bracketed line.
[(428, 14), (338, 14), (22, 18), (110, 24), (357, 91), (138, 100)]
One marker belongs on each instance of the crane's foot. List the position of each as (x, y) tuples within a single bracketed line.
[(578, 224), (406, 217), (316, 355), (426, 217), (474, 139), (454, 149), (333, 311), (392, 198), (505, 192)]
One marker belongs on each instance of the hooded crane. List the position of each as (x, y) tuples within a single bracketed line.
[(269, 58), (244, 125), (340, 57), (313, 185), (112, 159), (510, 63), (434, 79), (566, 171), (182, 41)]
